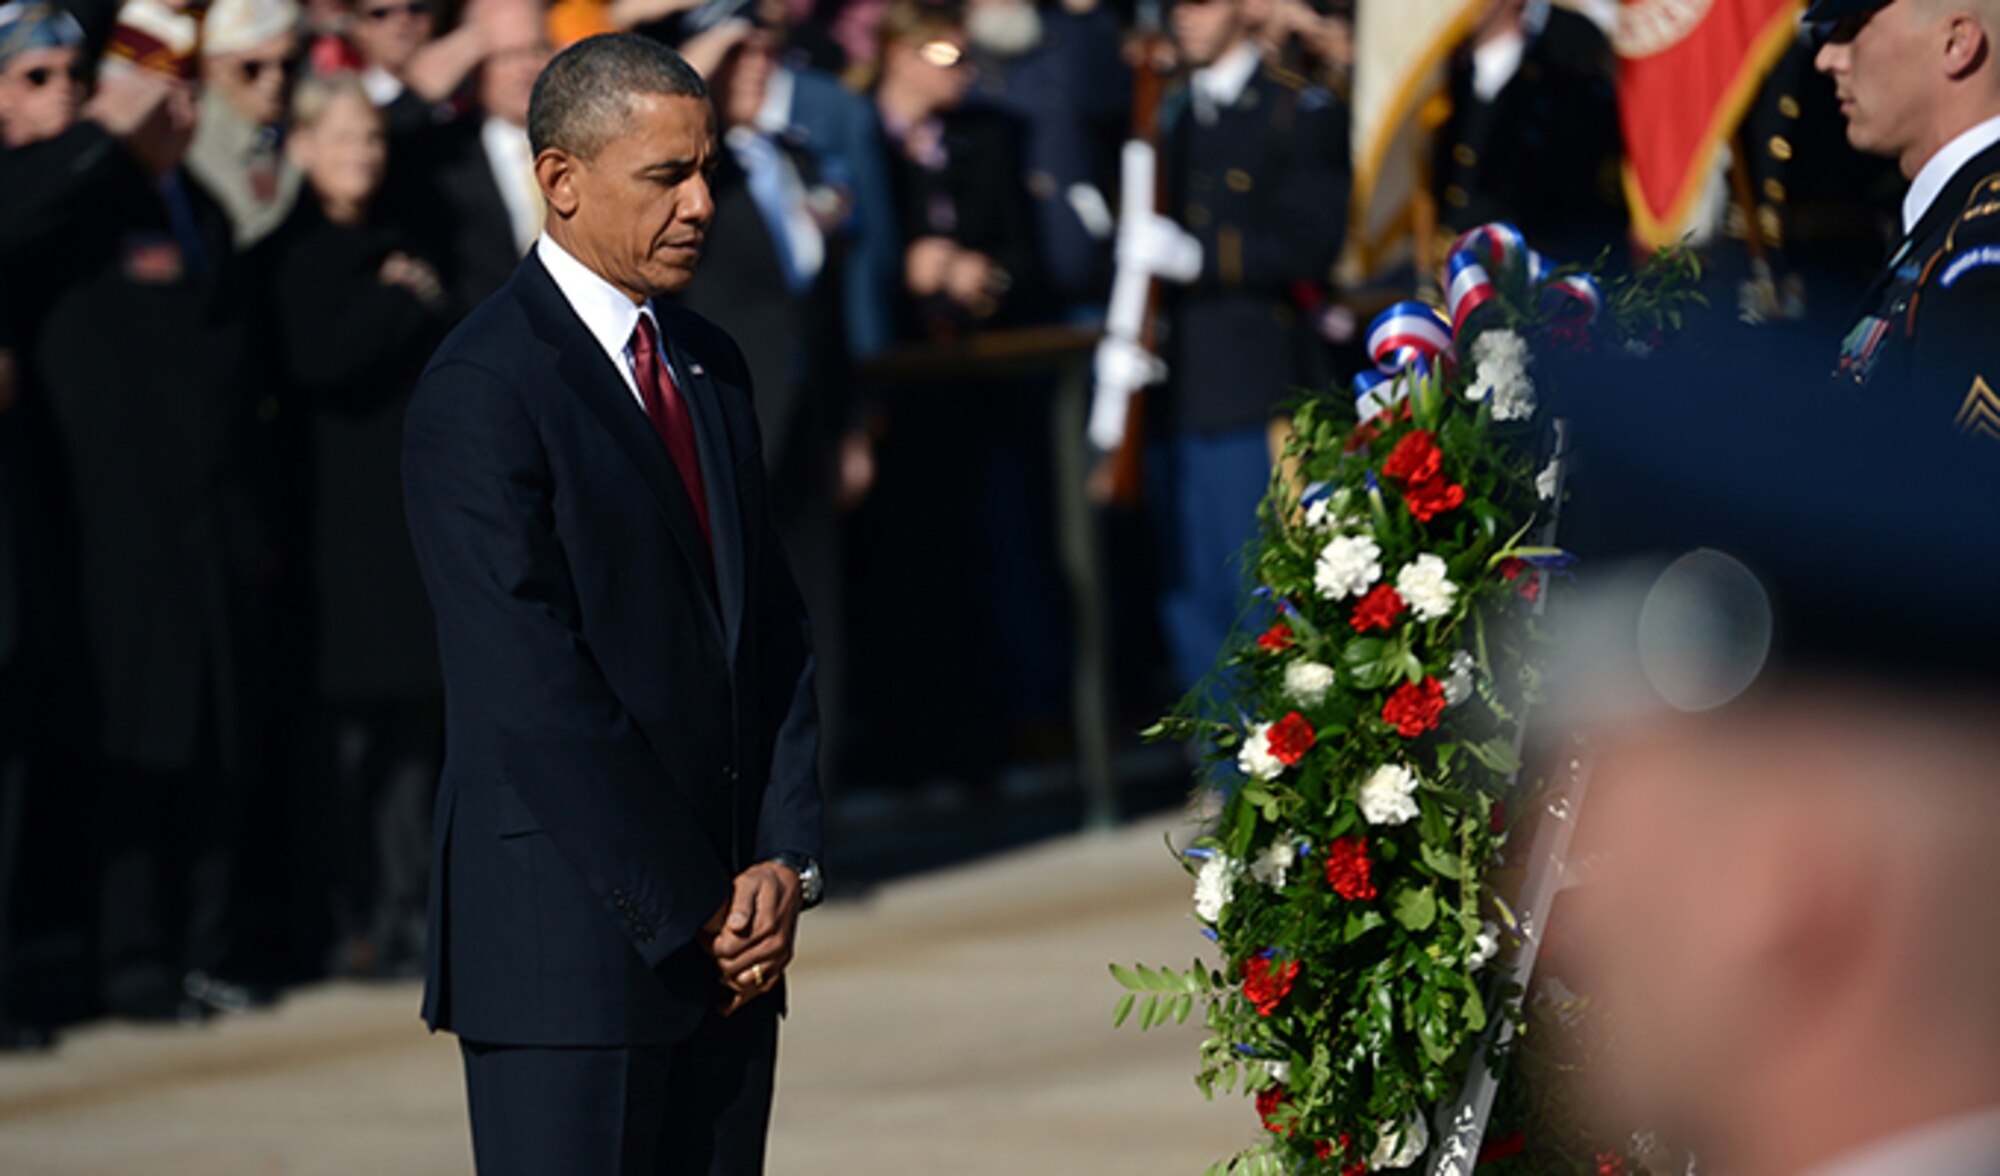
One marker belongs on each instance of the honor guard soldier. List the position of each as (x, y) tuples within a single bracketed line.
[(1256, 175), (1533, 138), (1919, 82)]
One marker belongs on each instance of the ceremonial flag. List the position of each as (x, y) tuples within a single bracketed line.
[(1688, 70), (1399, 55)]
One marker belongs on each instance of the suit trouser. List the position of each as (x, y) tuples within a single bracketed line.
[(700, 1107)]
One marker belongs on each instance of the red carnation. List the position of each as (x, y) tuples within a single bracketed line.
[(1348, 869), (1290, 738), (1327, 1149), (1276, 638), (1266, 983), (1503, 1147), (1512, 569), (1610, 1163), (1414, 708), (1416, 458), (1269, 1100), (1377, 610), (1432, 497)]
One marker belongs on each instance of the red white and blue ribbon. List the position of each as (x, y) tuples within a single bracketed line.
[(1407, 338), (1482, 257), (1576, 298)]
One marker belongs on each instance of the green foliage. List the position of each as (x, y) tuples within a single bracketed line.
[(1375, 1004)]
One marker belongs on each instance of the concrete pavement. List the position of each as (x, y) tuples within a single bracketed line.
[(955, 1023)]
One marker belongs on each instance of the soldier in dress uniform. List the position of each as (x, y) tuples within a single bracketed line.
[(1919, 82), (1533, 135), (1256, 171)]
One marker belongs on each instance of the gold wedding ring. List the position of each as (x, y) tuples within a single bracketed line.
[(757, 975)]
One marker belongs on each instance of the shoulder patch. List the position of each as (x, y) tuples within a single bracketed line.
[(1977, 257), (1984, 201), (1981, 214)]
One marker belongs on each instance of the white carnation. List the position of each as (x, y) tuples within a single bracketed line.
[(1545, 482), (1347, 566), (1458, 683), (1388, 795), (1500, 371), (1215, 885), (1329, 513), (1273, 865), (1484, 947), (1306, 682), (1401, 1144), (1255, 759), (1426, 587)]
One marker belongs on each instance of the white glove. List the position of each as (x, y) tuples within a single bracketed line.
[(1160, 247), (1121, 367)]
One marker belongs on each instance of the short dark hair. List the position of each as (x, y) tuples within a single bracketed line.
[(586, 92)]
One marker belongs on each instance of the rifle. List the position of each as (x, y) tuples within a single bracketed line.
[(1118, 413)]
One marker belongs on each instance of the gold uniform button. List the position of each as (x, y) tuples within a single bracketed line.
[(1781, 148), (1788, 106), (1456, 196), (1464, 156), (1198, 216), (1774, 191), (1237, 179)]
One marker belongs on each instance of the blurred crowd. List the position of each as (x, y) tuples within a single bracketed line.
[(232, 233)]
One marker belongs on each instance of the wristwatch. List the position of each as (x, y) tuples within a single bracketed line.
[(812, 883)]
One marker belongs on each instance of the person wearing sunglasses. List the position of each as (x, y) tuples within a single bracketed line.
[(1919, 83), (250, 54), (42, 74)]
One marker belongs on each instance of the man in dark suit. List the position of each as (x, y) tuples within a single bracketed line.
[(630, 813), (468, 185)]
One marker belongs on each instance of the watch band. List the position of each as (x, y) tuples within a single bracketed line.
[(812, 884)]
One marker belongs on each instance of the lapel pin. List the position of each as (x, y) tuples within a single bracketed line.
[(695, 369)]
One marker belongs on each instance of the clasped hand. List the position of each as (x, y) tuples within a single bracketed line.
[(752, 936)]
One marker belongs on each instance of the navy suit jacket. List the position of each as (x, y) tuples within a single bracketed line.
[(629, 721)]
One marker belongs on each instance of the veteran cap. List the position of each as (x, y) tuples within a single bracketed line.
[(31, 24)]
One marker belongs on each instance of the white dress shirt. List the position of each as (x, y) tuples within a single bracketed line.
[(1217, 87), (381, 86), (609, 316), (774, 117), (1940, 168), (513, 164), (1967, 1145)]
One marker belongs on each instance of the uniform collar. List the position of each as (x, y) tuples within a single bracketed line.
[(1965, 1145), (1223, 82), (1939, 170), (607, 313)]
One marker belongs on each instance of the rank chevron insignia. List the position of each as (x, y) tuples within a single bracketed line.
[(1980, 414)]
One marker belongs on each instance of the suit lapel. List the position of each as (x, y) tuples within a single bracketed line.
[(718, 473), (585, 369)]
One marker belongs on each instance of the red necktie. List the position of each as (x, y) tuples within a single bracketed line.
[(668, 410)]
